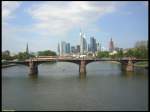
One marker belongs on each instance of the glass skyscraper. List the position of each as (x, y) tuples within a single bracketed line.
[(83, 43), (68, 48), (93, 46)]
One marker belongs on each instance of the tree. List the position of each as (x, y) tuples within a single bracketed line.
[(22, 56), (129, 53), (103, 54), (139, 51), (46, 53), (6, 55), (120, 53)]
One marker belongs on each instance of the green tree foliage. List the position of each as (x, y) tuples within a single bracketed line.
[(139, 51), (120, 53), (46, 53), (103, 54), (6, 55), (22, 56)]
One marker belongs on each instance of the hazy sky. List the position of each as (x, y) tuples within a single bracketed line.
[(44, 24)]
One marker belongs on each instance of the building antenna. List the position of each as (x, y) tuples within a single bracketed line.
[(80, 32)]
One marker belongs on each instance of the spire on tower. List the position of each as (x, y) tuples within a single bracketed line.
[(27, 49), (80, 32)]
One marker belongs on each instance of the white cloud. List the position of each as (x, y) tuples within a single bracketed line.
[(57, 18), (8, 8)]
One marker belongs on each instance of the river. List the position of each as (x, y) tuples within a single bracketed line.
[(59, 87)]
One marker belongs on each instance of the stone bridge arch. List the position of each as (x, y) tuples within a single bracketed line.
[(127, 64)]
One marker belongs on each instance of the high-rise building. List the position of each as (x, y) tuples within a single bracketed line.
[(78, 48), (98, 47), (27, 49), (63, 48), (111, 45), (84, 45), (89, 49), (67, 47), (93, 44), (72, 49), (58, 49), (81, 42)]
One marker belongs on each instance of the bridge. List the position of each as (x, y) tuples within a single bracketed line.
[(127, 64)]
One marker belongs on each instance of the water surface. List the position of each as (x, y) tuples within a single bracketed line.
[(59, 87)]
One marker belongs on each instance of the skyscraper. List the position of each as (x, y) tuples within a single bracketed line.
[(72, 49), (58, 49), (84, 45), (63, 48), (78, 48), (89, 48), (111, 45), (67, 47), (93, 44), (81, 42), (27, 49), (98, 47)]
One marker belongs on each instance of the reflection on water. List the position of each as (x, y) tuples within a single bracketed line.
[(59, 86), (33, 76), (82, 76)]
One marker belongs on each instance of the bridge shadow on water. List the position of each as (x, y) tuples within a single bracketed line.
[(36, 76)]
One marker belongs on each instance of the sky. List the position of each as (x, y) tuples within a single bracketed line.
[(44, 24)]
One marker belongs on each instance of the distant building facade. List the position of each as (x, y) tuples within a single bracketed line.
[(73, 49), (98, 47), (64, 48)]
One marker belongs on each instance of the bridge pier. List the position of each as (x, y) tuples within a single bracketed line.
[(82, 68), (129, 67), (33, 66)]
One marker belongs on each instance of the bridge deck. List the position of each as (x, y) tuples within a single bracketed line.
[(72, 59)]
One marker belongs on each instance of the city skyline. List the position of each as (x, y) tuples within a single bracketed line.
[(85, 47), (43, 24)]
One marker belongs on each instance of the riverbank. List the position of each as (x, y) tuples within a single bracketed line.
[(141, 64), (138, 64), (115, 62)]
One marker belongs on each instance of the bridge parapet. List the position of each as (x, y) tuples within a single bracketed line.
[(127, 64)]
